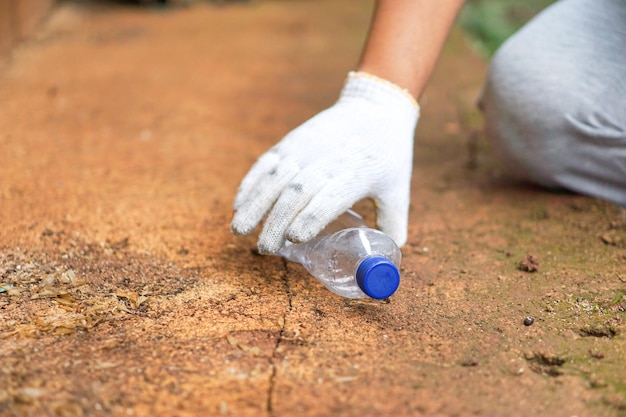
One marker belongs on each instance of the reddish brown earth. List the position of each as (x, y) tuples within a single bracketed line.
[(124, 132)]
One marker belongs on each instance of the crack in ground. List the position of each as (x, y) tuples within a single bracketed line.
[(269, 406)]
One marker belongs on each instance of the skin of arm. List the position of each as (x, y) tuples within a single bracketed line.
[(405, 39)]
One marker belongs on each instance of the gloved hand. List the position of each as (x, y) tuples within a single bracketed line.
[(360, 147)]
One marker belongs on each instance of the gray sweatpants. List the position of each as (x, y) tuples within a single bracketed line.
[(555, 99)]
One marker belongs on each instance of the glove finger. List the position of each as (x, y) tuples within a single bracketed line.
[(261, 196), (264, 165), (329, 203), (292, 200), (393, 219)]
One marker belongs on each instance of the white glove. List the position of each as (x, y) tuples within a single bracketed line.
[(360, 147)]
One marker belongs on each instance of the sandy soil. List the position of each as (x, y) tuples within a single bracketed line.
[(124, 132)]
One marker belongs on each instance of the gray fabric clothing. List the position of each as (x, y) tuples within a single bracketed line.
[(555, 99)]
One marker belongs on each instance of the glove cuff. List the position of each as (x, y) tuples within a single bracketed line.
[(363, 85)]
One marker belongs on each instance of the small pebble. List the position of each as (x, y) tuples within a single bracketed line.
[(528, 321)]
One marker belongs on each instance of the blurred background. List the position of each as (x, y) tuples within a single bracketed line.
[(488, 22)]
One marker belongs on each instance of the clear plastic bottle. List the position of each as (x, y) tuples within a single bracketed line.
[(350, 259)]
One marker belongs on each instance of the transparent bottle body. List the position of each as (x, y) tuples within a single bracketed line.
[(335, 254)]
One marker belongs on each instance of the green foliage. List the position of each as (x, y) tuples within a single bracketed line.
[(490, 22)]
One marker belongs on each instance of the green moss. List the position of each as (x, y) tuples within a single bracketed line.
[(617, 299), (491, 22)]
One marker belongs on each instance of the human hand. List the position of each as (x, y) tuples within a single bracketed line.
[(360, 147)]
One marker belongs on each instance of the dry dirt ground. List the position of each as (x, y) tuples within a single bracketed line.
[(124, 132)]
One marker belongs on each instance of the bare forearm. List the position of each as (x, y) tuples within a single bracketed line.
[(405, 39)]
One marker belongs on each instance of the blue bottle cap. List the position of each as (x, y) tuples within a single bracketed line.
[(378, 277)]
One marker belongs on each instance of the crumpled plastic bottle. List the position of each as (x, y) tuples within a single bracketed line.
[(350, 259)]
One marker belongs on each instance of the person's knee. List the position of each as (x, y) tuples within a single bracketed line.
[(525, 110), (548, 129)]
